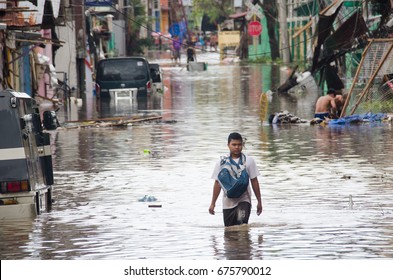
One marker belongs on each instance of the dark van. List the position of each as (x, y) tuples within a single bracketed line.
[(119, 77)]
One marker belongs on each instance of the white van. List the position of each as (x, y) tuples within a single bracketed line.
[(26, 173)]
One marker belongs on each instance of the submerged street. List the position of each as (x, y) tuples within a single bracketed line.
[(143, 191)]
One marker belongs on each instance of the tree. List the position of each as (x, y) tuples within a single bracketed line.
[(214, 9), (135, 20), (385, 9), (270, 10), (382, 7)]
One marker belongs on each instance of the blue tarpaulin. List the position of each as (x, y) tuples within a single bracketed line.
[(357, 118), (178, 29), (98, 3)]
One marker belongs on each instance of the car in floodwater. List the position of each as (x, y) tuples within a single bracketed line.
[(124, 77), (26, 173)]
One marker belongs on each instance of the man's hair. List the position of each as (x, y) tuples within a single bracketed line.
[(332, 90), (235, 136)]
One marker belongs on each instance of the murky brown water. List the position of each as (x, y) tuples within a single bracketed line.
[(308, 175)]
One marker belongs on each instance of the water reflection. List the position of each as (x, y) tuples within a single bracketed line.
[(238, 244), (16, 234)]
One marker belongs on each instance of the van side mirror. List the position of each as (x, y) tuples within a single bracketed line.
[(50, 121), (37, 122), (155, 75)]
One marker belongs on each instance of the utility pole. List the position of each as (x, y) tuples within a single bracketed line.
[(131, 33), (80, 27), (282, 18), (185, 20)]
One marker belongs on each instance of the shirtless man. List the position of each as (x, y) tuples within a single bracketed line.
[(326, 105)]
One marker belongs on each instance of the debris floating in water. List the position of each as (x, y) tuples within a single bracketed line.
[(147, 198), (111, 122)]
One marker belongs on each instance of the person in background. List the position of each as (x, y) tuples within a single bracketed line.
[(194, 39), (202, 41), (236, 211), (191, 56), (326, 106), (176, 46), (213, 41)]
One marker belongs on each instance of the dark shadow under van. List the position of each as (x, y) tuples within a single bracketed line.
[(123, 76)]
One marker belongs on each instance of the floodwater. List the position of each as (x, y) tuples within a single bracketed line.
[(327, 191)]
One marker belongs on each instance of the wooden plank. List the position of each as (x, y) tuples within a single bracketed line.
[(108, 122), (354, 79), (300, 31), (263, 106), (370, 81)]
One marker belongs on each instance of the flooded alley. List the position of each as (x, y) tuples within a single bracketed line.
[(326, 190)]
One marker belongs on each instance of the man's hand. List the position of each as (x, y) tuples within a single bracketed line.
[(259, 208), (211, 209)]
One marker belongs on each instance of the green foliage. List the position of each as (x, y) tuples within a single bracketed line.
[(136, 19), (214, 9), (385, 106), (261, 59), (381, 7)]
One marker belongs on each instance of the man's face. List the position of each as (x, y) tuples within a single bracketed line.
[(235, 147)]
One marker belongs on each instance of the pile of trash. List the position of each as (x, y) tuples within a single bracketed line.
[(147, 198), (284, 117)]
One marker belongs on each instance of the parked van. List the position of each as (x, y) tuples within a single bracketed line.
[(26, 173), (124, 76)]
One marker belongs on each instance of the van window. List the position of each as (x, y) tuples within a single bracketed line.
[(122, 70)]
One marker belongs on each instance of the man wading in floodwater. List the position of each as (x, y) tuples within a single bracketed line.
[(326, 106), (233, 175)]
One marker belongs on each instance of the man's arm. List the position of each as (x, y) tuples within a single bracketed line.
[(257, 192), (333, 107), (216, 193)]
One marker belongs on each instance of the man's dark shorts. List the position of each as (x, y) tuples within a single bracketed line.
[(322, 116), (237, 215)]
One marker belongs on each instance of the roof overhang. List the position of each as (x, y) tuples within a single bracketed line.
[(238, 15)]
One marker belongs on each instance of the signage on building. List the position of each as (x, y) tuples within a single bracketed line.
[(98, 3), (254, 28), (253, 10)]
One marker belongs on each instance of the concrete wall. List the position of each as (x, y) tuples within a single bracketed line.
[(65, 60)]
